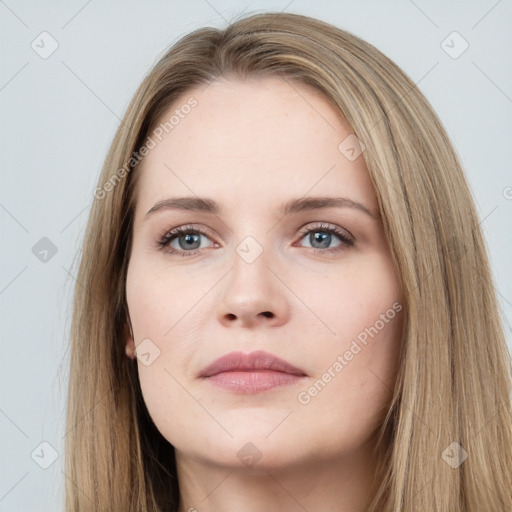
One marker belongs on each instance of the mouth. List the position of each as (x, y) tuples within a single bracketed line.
[(251, 373)]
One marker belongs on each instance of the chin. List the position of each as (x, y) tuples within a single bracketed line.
[(255, 447)]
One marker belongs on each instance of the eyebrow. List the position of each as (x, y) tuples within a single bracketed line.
[(206, 205)]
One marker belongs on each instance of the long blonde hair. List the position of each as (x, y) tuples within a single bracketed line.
[(454, 378)]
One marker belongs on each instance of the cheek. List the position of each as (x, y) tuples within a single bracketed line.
[(158, 298), (349, 397), (352, 301), (356, 368), (163, 304)]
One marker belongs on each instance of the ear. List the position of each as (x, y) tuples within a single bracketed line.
[(128, 340)]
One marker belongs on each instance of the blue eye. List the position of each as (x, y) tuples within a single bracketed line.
[(188, 239), (319, 236)]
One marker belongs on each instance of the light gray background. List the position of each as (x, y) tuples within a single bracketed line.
[(59, 114)]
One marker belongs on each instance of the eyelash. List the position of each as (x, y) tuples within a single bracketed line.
[(164, 242)]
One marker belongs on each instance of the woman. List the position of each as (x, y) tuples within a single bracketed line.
[(285, 300)]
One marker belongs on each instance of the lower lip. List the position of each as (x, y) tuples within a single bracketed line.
[(253, 382)]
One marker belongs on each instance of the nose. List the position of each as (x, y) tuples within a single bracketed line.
[(253, 295)]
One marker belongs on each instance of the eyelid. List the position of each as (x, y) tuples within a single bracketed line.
[(327, 226)]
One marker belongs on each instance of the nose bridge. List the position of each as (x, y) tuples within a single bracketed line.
[(250, 274), (250, 249)]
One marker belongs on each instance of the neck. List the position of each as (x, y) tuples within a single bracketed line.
[(344, 484)]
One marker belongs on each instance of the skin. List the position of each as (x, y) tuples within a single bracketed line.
[(252, 145)]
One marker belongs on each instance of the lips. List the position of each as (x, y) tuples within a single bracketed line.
[(253, 362)]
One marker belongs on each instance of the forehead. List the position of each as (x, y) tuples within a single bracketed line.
[(265, 138)]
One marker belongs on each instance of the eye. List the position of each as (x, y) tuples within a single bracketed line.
[(186, 238), (321, 236)]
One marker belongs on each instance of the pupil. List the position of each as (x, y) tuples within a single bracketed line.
[(190, 238), (322, 238)]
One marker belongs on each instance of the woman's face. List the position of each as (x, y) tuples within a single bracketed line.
[(282, 265)]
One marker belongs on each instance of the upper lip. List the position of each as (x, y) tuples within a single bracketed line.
[(258, 360)]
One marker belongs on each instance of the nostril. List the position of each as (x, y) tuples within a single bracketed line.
[(268, 314)]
